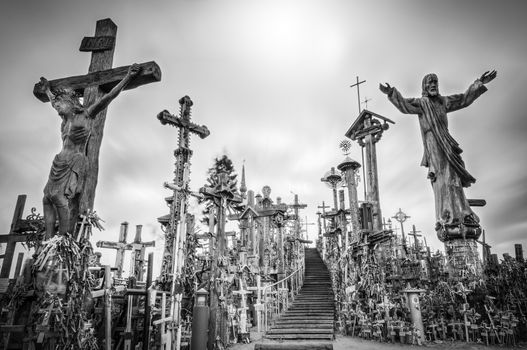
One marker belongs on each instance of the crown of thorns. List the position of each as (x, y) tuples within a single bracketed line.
[(65, 92)]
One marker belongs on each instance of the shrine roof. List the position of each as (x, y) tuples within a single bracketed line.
[(365, 113)]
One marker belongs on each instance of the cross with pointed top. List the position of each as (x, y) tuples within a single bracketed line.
[(358, 90)]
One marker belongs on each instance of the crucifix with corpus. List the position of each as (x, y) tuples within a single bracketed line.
[(70, 190)]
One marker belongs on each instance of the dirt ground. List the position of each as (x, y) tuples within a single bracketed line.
[(342, 343)]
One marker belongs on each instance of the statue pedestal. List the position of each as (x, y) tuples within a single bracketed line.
[(463, 259)]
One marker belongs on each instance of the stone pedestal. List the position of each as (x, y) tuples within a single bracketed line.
[(463, 260), (412, 295)]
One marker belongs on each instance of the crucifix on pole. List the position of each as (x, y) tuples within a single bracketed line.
[(70, 190), (401, 217)]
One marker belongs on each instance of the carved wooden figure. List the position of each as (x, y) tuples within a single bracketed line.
[(442, 154), (70, 189)]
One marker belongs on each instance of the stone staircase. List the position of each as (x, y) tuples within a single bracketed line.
[(311, 315)]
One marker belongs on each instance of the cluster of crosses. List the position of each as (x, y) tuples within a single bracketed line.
[(65, 297)]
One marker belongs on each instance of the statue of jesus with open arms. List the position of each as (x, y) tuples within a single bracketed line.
[(442, 154)]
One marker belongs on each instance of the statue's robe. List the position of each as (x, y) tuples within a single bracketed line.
[(442, 154)]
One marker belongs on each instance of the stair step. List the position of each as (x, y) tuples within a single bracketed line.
[(294, 346), (300, 336), (303, 325), (301, 331)]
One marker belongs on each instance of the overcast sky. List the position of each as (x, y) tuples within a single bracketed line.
[(270, 79)]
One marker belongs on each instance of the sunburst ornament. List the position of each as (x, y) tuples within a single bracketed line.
[(345, 146)]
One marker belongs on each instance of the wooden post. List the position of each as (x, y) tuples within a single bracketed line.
[(147, 317), (12, 238), (107, 307)]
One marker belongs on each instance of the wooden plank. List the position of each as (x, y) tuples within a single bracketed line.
[(97, 43), (19, 210), (105, 80), (477, 202), (4, 285), (12, 328), (19, 262)]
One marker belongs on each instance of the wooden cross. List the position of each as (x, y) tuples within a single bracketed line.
[(415, 234), (243, 307), (357, 84), (12, 239), (121, 246), (366, 100), (173, 258), (401, 217), (323, 207), (138, 253), (181, 179), (100, 79)]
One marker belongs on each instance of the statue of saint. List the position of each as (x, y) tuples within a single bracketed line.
[(69, 168), (442, 154)]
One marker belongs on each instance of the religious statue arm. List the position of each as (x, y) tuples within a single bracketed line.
[(405, 105), (476, 89), (104, 101), (47, 89)]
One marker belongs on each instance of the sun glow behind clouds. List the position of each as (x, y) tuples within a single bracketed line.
[(286, 32)]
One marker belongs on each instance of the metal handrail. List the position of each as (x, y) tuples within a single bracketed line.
[(297, 287)]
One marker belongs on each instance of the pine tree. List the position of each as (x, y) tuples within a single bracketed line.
[(222, 164)]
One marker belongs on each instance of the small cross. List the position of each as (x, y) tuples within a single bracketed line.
[(358, 90), (365, 102), (414, 233)]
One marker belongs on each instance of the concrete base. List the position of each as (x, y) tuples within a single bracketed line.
[(463, 258)]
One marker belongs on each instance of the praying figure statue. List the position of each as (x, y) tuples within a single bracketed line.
[(69, 168), (442, 154)]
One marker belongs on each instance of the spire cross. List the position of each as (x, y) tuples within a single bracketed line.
[(358, 90)]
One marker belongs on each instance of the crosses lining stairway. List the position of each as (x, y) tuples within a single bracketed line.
[(312, 313)]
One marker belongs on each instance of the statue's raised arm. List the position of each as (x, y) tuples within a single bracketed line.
[(105, 100)]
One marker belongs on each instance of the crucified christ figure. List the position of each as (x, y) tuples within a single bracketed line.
[(68, 171), (442, 154)]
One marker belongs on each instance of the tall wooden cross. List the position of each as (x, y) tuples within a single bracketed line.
[(182, 153), (415, 234), (173, 255), (92, 86)]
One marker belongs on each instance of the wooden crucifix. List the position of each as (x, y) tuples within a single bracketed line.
[(73, 178)]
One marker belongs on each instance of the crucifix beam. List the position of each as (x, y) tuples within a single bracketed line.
[(105, 79)]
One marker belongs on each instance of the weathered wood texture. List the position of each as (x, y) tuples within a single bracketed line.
[(105, 80), (12, 238), (100, 60)]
